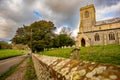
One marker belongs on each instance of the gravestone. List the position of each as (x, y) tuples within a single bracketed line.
[(75, 54)]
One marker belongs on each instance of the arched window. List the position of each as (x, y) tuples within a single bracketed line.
[(97, 37), (111, 36), (86, 14)]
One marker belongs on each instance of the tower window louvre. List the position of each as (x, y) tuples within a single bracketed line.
[(86, 14)]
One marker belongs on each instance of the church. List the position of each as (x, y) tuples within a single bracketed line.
[(92, 32)]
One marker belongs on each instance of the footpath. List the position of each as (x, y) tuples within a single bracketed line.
[(19, 74)]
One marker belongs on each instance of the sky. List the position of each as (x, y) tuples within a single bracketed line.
[(63, 13)]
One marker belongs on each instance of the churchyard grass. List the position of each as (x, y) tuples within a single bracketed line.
[(58, 52), (104, 54), (10, 53)]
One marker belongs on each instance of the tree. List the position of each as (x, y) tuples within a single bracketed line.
[(63, 40), (67, 31), (42, 34)]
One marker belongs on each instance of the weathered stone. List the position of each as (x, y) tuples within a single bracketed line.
[(91, 74), (67, 77), (76, 77), (91, 67), (95, 78), (106, 79), (82, 72), (66, 69), (113, 77), (100, 69), (75, 54), (89, 29)]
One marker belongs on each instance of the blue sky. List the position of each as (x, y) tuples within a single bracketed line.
[(15, 13), (38, 15)]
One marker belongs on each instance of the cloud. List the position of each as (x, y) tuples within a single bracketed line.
[(108, 12), (6, 30), (15, 13), (63, 12), (104, 3)]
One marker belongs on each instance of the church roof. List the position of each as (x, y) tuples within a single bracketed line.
[(113, 20)]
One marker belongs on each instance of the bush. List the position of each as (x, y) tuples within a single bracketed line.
[(4, 45)]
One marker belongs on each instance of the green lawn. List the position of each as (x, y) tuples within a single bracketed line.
[(104, 54), (10, 53), (58, 52)]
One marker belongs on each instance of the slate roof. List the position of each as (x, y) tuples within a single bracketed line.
[(113, 20)]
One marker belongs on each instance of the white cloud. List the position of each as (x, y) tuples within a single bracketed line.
[(107, 10), (15, 13), (2, 21), (75, 32), (6, 29), (15, 5)]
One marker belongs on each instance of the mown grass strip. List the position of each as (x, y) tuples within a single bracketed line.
[(104, 54), (30, 72), (10, 53)]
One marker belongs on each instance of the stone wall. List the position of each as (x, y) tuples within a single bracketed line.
[(54, 68)]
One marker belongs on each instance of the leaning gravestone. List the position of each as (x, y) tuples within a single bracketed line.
[(75, 54)]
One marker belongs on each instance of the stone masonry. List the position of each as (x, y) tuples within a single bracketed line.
[(107, 31), (54, 68)]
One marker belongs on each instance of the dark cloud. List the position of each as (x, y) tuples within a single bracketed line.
[(63, 7), (15, 13), (66, 11), (20, 15)]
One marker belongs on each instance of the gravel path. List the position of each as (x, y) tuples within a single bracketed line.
[(20, 73), (6, 64)]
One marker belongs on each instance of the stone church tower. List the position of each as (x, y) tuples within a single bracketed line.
[(87, 16), (97, 33)]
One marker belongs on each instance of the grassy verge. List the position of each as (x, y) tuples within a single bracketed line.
[(30, 72), (10, 71), (104, 54), (10, 53)]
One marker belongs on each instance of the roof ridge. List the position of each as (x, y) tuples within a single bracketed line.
[(108, 21)]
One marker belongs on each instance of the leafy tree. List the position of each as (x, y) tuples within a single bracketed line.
[(63, 40), (42, 34)]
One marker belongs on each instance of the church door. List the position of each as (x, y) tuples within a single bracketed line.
[(83, 42)]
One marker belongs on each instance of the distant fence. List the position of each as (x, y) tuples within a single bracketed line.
[(54, 68)]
